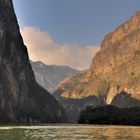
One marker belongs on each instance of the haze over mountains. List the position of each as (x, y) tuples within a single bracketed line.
[(22, 100), (114, 74), (49, 76)]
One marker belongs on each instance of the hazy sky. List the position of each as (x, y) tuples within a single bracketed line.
[(69, 25)]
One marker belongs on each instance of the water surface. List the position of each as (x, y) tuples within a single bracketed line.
[(70, 132)]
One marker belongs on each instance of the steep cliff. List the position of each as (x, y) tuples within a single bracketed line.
[(114, 74), (49, 76), (21, 98)]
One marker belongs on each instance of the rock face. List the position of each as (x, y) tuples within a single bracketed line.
[(114, 74), (49, 76), (21, 98)]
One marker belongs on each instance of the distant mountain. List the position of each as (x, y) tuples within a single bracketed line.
[(22, 100), (49, 76), (113, 77)]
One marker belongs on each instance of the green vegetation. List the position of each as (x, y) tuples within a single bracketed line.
[(110, 115)]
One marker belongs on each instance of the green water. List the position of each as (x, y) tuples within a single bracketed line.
[(70, 132)]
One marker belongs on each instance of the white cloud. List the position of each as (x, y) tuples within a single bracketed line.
[(42, 47)]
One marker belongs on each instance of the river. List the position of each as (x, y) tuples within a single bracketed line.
[(70, 132)]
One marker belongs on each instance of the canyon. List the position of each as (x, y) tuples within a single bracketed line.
[(113, 77)]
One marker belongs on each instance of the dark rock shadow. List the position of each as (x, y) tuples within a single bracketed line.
[(125, 100), (73, 107)]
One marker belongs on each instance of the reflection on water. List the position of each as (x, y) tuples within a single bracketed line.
[(75, 132)]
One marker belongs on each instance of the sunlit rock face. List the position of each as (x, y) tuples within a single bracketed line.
[(21, 98), (114, 70)]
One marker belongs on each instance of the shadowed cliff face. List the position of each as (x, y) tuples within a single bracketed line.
[(115, 68), (21, 98)]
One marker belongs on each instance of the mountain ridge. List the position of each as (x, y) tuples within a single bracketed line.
[(114, 74), (49, 76)]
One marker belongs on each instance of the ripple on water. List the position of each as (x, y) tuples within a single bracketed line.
[(75, 132)]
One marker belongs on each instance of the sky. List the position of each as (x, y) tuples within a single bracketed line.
[(69, 32)]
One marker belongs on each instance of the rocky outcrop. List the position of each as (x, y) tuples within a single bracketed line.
[(49, 76), (115, 70), (22, 100)]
